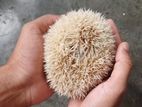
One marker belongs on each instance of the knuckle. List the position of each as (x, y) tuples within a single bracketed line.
[(50, 15), (129, 60), (47, 16), (28, 26), (119, 91), (129, 63)]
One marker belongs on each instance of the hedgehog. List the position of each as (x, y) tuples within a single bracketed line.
[(79, 53)]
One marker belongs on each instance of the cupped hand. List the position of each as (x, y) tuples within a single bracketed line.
[(27, 60), (110, 92), (26, 66)]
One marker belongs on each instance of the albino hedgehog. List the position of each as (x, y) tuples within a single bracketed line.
[(79, 53)]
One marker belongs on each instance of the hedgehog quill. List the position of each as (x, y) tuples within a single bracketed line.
[(79, 53)]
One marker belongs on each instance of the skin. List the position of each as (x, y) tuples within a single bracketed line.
[(23, 82), (110, 92)]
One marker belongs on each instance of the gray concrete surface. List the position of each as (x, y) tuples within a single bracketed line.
[(126, 13)]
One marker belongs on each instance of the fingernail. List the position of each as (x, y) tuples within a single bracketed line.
[(126, 46)]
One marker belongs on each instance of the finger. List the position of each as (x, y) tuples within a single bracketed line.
[(44, 22), (114, 31), (74, 103), (123, 64)]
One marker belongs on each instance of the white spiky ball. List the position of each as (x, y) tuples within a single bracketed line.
[(79, 53)]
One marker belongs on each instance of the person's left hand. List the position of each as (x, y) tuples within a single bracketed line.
[(27, 60)]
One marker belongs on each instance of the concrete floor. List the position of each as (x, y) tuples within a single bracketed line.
[(126, 13)]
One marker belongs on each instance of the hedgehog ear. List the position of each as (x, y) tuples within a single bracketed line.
[(114, 31)]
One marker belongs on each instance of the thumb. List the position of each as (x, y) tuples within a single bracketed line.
[(43, 23), (122, 66)]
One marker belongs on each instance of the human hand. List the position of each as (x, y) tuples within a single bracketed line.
[(110, 92), (25, 66)]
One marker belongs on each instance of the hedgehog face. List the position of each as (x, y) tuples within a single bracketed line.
[(79, 52)]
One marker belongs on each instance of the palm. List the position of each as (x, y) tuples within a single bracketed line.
[(105, 91)]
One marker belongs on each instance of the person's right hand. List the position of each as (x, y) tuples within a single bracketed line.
[(110, 92)]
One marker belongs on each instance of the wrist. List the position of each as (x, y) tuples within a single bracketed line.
[(12, 91)]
